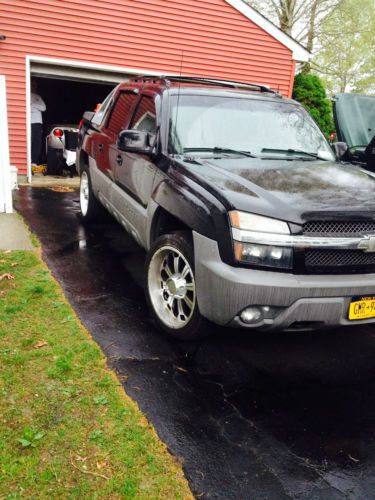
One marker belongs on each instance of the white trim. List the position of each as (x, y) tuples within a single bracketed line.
[(28, 123), (6, 204), (73, 64), (86, 65), (300, 54)]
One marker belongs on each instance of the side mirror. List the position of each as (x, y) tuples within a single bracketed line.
[(134, 141), (340, 149)]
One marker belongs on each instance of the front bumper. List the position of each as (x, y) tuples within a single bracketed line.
[(296, 301)]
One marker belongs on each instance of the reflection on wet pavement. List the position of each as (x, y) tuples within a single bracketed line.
[(250, 415)]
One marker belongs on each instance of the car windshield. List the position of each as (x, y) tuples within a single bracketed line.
[(201, 123), (355, 117)]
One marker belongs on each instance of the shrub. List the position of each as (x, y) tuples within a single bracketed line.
[(310, 92)]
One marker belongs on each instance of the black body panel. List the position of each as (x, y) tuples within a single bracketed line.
[(200, 189), (291, 190)]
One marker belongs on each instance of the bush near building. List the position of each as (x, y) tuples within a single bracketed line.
[(310, 92)]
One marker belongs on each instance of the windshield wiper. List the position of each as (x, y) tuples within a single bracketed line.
[(219, 150), (293, 151)]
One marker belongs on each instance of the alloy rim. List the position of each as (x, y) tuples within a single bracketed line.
[(171, 287), (84, 193)]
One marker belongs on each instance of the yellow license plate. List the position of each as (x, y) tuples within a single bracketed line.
[(362, 308)]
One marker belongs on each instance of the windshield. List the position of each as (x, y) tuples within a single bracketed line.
[(199, 123), (355, 118)]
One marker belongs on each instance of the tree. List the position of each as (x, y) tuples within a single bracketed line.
[(298, 18), (309, 91), (346, 56)]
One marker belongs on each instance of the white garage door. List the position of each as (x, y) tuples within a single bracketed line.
[(79, 74)]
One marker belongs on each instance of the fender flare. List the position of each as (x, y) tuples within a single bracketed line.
[(191, 209)]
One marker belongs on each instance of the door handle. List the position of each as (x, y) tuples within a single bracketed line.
[(100, 147), (119, 160)]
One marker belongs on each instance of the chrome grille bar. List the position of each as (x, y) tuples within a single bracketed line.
[(297, 241)]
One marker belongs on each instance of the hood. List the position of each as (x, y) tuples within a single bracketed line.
[(354, 117), (287, 189)]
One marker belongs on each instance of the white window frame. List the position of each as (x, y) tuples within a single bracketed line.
[(6, 204)]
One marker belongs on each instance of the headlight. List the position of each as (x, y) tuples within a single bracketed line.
[(249, 231), (263, 255), (252, 222)]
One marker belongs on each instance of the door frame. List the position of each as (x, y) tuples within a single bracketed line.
[(6, 204)]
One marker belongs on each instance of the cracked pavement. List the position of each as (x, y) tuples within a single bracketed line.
[(250, 415)]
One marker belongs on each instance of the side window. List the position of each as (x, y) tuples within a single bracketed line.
[(145, 116), (122, 108)]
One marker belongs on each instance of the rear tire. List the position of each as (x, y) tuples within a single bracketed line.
[(55, 162), (91, 209), (170, 287)]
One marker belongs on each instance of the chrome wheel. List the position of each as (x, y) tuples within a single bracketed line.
[(171, 287), (84, 193)]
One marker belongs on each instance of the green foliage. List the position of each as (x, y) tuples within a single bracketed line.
[(346, 59), (30, 438), (96, 435), (67, 429), (309, 91), (100, 400)]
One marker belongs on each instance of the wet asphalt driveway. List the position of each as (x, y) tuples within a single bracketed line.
[(250, 416)]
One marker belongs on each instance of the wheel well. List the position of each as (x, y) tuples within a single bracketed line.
[(165, 223)]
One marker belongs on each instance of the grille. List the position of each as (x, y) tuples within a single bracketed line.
[(338, 260), (339, 228)]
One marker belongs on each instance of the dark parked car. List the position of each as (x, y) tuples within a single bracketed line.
[(354, 116), (248, 217)]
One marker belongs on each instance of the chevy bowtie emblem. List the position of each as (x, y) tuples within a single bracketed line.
[(367, 244)]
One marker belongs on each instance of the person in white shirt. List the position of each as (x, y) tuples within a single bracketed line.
[(37, 107)]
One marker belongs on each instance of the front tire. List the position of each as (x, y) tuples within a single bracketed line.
[(170, 287), (91, 209)]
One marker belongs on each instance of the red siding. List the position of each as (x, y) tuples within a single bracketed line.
[(216, 40)]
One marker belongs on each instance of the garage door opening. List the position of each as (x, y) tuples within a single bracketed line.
[(66, 100)]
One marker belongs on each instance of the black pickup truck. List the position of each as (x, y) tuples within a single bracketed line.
[(249, 217)]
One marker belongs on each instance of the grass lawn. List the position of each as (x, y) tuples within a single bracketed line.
[(67, 429)]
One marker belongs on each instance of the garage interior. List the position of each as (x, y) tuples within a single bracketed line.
[(66, 101), (69, 92)]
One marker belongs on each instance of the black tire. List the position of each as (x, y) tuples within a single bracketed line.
[(177, 319), (55, 162), (94, 211)]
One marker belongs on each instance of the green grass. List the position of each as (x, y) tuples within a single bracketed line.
[(67, 429)]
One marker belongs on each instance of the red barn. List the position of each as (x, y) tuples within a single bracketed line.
[(78, 50)]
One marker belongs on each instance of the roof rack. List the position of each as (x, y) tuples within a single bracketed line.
[(206, 81)]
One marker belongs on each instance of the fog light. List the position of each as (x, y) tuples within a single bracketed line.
[(251, 315)]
